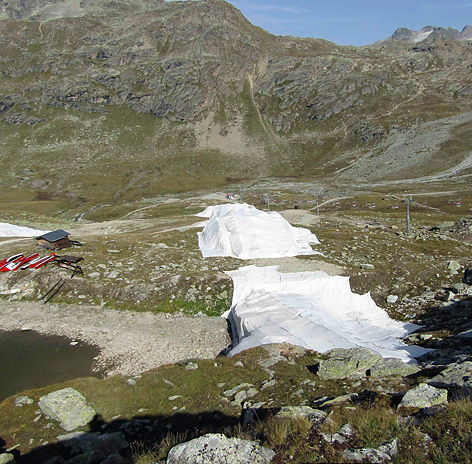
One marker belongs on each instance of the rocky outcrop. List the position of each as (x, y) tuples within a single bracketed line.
[(218, 449), (343, 363), (361, 362), (315, 416), (384, 453), (457, 376), (67, 406), (88, 448), (423, 396), (7, 458), (393, 367), (197, 76), (407, 35)]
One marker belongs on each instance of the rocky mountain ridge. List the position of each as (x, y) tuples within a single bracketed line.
[(165, 91), (47, 10), (408, 35)]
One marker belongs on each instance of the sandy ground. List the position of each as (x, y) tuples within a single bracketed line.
[(133, 342), (129, 342)]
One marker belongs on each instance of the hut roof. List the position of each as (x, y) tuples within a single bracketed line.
[(54, 236)]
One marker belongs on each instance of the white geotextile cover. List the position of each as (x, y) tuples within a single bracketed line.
[(244, 232), (10, 230), (312, 310)]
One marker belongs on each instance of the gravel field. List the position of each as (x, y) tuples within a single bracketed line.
[(129, 342)]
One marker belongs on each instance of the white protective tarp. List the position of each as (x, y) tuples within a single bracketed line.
[(244, 232), (312, 310), (10, 230)]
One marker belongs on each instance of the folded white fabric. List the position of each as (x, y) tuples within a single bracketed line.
[(244, 232), (312, 310)]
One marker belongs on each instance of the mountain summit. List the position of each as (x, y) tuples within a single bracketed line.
[(171, 96), (45, 10), (408, 35)]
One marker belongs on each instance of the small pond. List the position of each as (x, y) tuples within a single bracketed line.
[(31, 360)]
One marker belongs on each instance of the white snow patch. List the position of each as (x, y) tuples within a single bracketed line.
[(9, 230), (421, 36), (244, 232), (312, 310)]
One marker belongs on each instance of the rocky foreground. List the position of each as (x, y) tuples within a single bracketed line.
[(266, 405), (276, 403), (129, 342), (276, 387)]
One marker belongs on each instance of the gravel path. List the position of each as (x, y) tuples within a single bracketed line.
[(129, 342)]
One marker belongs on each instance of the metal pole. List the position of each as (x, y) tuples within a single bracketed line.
[(408, 201), (408, 216)]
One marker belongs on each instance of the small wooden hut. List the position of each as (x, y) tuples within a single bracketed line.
[(55, 240)]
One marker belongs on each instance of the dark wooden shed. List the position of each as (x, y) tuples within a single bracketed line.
[(55, 240)]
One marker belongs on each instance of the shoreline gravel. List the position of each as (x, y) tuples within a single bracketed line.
[(129, 342)]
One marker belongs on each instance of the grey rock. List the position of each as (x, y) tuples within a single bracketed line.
[(314, 415), (268, 384), (467, 334), (243, 395), (21, 401), (448, 296), (366, 266), (7, 458), (393, 367), (218, 449), (88, 448), (131, 382), (343, 363), (338, 399), (383, 453), (341, 436), (457, 376), (390, 447), (453, 266), (391, 299), (191, 366), (446, 225), (235, 390), (67, 406), (423, 396), (366, 455)]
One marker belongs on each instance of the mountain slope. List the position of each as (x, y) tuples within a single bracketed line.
[(114, 101), (408, 35)]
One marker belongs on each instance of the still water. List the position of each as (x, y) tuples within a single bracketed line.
[(30, 360)]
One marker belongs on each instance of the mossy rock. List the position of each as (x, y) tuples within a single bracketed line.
[(343, 363)]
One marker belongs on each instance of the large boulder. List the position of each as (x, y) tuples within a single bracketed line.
[(343, 363), (384, 453), (218, 449), (314, 415), (67, 406), (366, 455), (7, 458), (456, 376), (423, 396), (393, 367), (88, 448), (467, 279)]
